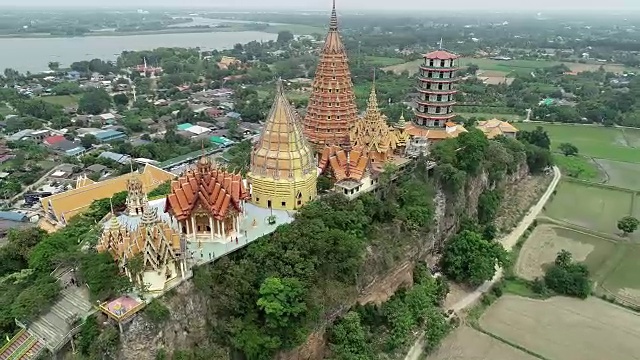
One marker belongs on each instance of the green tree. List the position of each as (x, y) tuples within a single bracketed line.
[(469, 258), (348, 339), (568, 149), (121, 99), (282, 301), (94, 101), (628, 224), (88, 140)]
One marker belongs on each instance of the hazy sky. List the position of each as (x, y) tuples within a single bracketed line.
[(539, 5)]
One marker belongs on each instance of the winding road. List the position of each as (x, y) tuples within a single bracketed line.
[(508, 242)]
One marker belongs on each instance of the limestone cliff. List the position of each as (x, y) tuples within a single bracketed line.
[(383, 275)]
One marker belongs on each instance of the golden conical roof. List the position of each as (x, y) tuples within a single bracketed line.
[(332, 110), (282, 151)]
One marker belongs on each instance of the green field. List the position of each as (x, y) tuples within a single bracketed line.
[(383, 61), (63, 100), (594, 141), (579, 167), (591, 207)]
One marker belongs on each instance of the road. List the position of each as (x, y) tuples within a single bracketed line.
[(508, 242)]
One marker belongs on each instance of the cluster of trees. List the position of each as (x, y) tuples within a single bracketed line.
[(565, 277), (27, 289), (269, 296), (376, 331)]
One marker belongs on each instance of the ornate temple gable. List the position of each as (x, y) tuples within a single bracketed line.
[(152, 238), (332, 110), (372, 132), (214, 190), (136, 197), (282, 152)]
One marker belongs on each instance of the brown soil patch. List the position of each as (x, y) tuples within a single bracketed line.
[(456, 293), (566, 328), (519, 198), (542, 247), (466, 343)]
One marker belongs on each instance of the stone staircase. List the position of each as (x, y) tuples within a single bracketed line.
[(53, 326), (23, 346)]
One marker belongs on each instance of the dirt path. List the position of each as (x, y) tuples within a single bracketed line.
[(508, 242)]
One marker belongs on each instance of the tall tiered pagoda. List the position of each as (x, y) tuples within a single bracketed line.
[(332, 111), (207, 202), (283, 170)]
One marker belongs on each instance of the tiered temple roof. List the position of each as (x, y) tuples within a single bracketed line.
[(332, 110), (372, 132), (154, 239), (282, 151), (214, 190)]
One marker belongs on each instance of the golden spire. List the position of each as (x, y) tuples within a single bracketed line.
[(401, 124)]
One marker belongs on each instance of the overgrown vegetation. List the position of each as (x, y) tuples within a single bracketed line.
[(271, 295), (27, 289), (376, 331)]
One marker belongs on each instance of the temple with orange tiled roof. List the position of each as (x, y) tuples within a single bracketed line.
[(332, 111), (207, 202), (283, 171), (158, 245)]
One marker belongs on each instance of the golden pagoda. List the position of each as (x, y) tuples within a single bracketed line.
[(283, 172), (332, 111), (155, 241), (372, 132)]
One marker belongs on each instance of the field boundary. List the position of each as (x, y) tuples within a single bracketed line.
[(599, 185)]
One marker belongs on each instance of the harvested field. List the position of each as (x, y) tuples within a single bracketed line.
[(589, 206), (466, 343), (622, 174), (521, 195), (566, 329), (547, 240)]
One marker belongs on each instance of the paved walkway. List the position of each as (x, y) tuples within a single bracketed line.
[(508, 241)]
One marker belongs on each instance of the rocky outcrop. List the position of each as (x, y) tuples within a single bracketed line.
[(142, 340), (187, 328)]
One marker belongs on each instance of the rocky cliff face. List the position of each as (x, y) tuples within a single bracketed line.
[(142, 340)]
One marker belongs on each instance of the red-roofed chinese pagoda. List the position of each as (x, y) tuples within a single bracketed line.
[(332, 111), (436, 88)]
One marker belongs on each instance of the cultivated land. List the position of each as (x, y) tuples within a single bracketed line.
[(466, 343), (566, 329), (546, 241), (595, 141), (591, 207), (504, 68)]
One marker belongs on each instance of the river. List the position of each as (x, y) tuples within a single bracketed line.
[(33, 54)]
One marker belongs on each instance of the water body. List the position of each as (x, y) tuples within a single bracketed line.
[(33, 54)]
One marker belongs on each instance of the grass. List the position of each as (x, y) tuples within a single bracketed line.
[(489, 116), (63, 100), (593, 141), (591, 207), (383, 61), (578, 167)]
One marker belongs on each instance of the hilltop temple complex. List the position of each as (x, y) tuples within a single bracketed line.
[(282, 172)]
